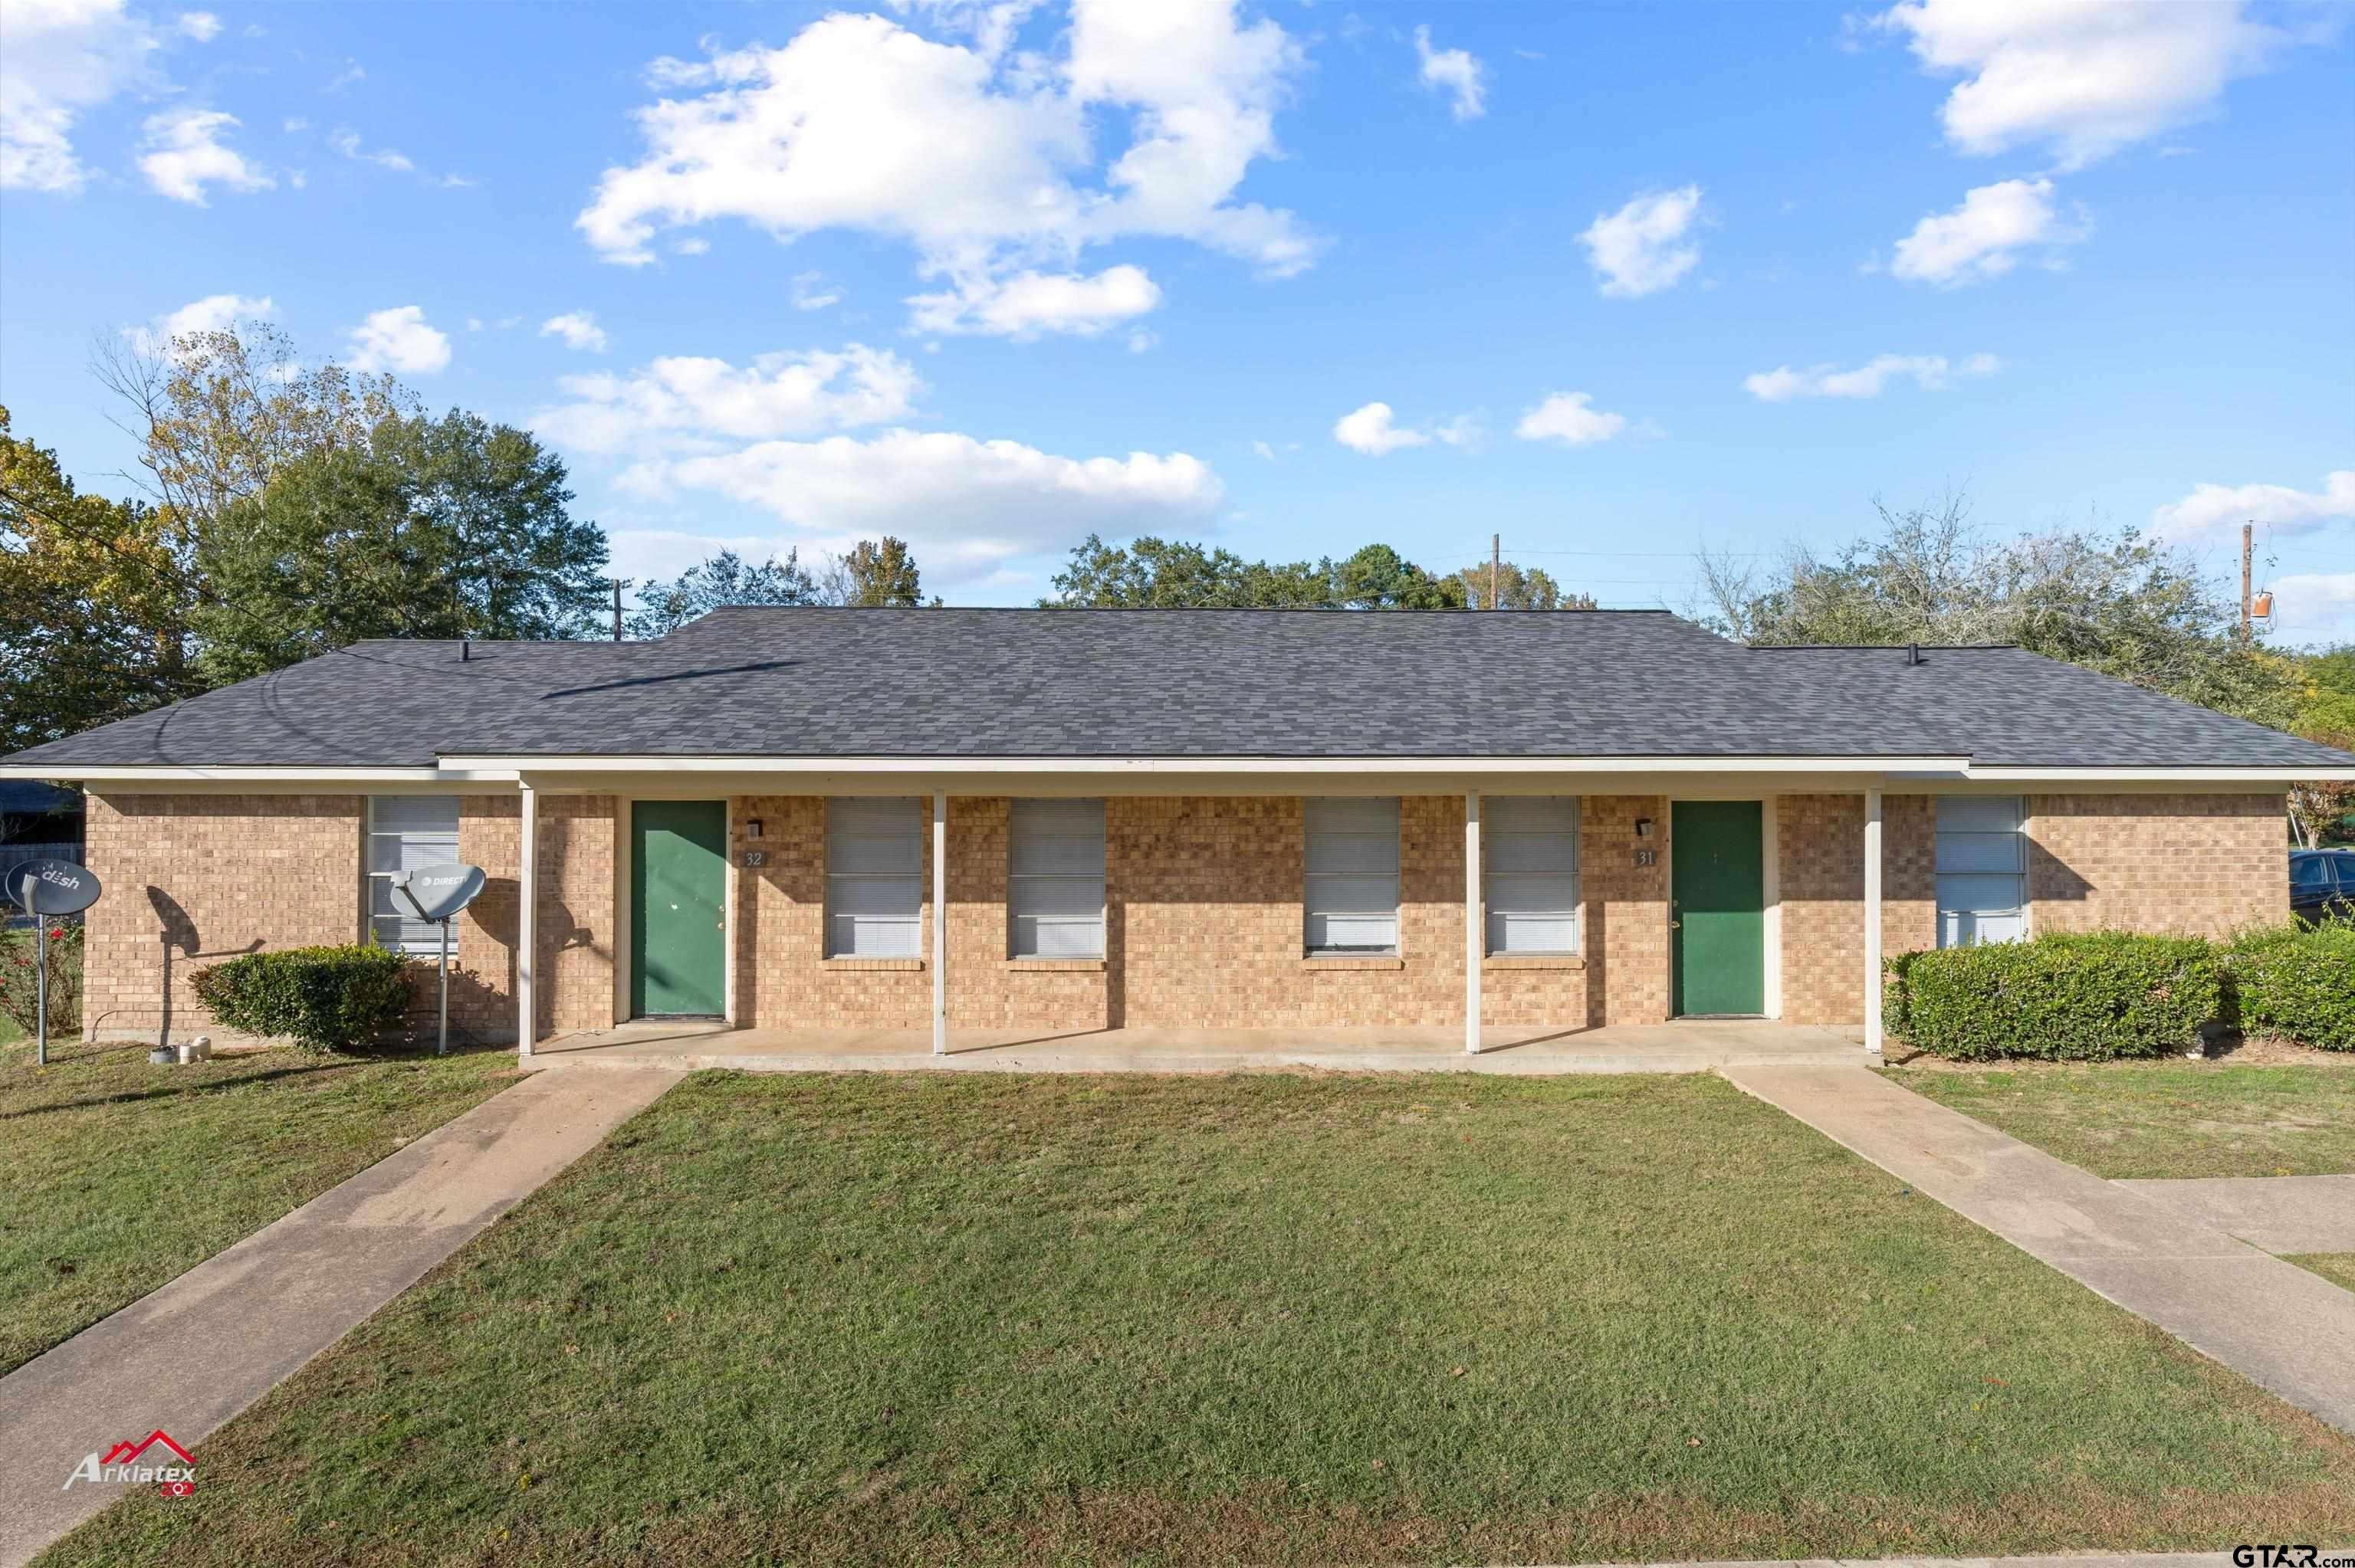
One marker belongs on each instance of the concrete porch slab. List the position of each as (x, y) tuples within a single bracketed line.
[(1691, 1046), (2280, 1213)]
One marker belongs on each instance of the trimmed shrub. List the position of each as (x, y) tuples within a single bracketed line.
[(324, 999), (20, 977), (2072, 998), (2297, 982)]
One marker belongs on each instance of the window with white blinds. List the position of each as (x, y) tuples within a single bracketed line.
[(408, 832), (1982, 869), (1055, 879), (1352, 884), (1531, 881), (874, 878)]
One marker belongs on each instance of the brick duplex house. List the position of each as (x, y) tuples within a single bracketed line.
[(1082, 820)]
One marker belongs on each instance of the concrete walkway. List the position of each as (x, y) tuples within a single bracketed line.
[(2282, 1215), (1687, 1045), (204, 1346), (2274, 1324)]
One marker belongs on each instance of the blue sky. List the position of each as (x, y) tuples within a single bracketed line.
[(1626, 280)]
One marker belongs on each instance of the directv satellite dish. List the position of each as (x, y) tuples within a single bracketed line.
[(438, 891)]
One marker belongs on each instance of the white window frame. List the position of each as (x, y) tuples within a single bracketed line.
[(419, 939), (1034, 828), (1328, 833), (1958, 927), (1520, 835), (894, 936)]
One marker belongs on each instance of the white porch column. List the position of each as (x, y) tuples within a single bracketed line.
[(1873, 924), (526, 923), (1472, 943), (940, 923)]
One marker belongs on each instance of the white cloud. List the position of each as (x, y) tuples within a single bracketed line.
[(59, 58), (352, 74), (1264, 449), (985, 166), (811, 291), (202, 26), (1981, 238), (698, 404), (1026, 304), (347, 142), (2083, 77), (2314, 607), (1370, 430), (1569, 418), (399, 339), (1455, 72), (213, 312), (1639, 250), (295, 125), (186, 155), (2219, 510), (1931, 372), (579, 329), (965, 505)]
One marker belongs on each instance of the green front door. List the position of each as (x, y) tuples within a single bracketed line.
[(679, 921), (1719, 871)]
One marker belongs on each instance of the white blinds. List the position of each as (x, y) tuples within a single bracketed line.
[(407, 832), (874, 878), (1982, 869), (1351, 890), (1055, 879), (1530, 881)]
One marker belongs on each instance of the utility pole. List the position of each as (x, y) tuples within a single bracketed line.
[(617, 610), (1496, 566), (2248, 533)]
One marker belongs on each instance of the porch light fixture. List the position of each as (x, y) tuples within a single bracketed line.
[(1643, 827), (751, 827)]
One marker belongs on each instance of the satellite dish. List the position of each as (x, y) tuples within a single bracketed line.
[(52, 886), (438, 891)]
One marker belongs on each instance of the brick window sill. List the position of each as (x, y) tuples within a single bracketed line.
[(1054, 965), (1390, 963), (898, 966), (1533, 961)]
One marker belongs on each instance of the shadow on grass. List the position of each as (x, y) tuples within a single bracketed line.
[(337, 1064)]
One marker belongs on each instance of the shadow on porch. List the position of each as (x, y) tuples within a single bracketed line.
[(1689, 1045)]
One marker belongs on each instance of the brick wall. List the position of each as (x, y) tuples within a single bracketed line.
[(193, 879), (1626, 907), (2186, 864), (1819, 848)]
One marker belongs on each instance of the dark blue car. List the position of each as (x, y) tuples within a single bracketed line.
[(2322, 884)]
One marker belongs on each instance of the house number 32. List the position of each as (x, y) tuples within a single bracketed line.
[(756, 857)]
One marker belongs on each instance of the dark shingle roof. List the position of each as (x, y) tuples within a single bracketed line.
[(1177, 683)]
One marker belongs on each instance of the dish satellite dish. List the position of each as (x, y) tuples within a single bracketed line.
[(46, 888), (437, 893)]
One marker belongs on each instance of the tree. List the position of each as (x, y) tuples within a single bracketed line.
[(724, 579), (1151, 573), (218, 413), (874, 573), (449, 527), (1517, 589), (2127, 605), (93, 603), (2326, 713)]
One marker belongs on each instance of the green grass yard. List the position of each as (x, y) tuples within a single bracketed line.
[(984, 1318), (2123, 1120), (120, 1175)]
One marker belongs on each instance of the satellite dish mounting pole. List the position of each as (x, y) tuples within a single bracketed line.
[(40, 976), (442, 1044)]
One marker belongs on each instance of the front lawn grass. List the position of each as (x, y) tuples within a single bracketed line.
[(2121, 1119), (977, 1318), (119, 1176), (2335, 1266)]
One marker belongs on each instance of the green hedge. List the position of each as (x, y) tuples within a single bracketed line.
[(2072, 998), (2298, 983), (324, 999)]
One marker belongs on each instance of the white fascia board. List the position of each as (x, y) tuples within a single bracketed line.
[(551, 766), (150, 773), (2279, 777)]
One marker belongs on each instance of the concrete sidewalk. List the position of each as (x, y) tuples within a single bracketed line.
[(194, 1354), (2282, 1215), (2273, 1322)]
